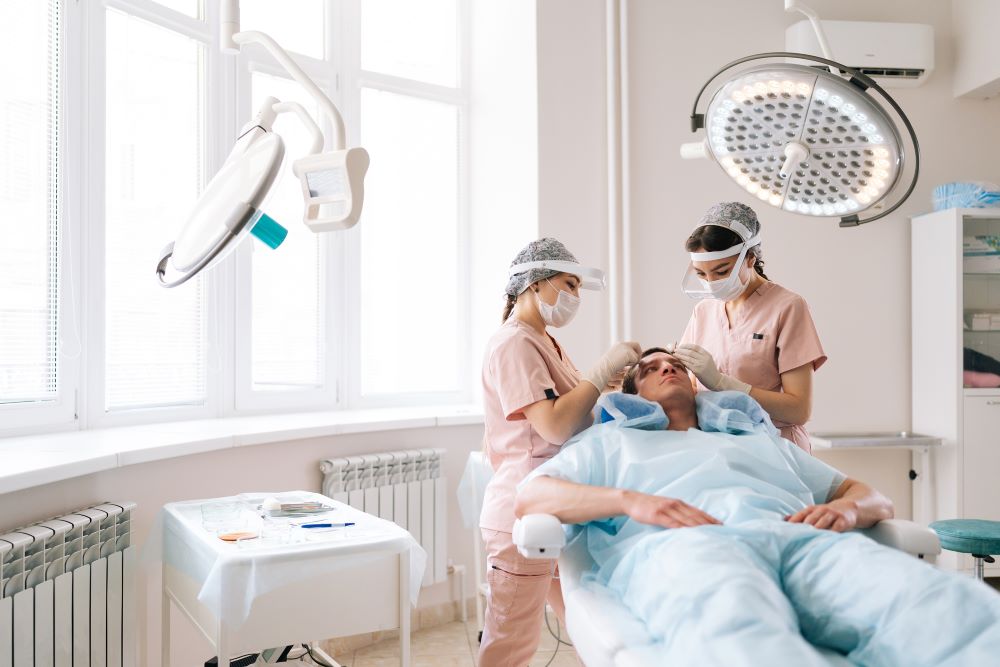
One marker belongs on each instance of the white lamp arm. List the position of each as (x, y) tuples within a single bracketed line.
[(296, 72), (809, 13), (307, 121)]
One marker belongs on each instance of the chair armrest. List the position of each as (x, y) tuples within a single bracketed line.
[(539, 536), (906, 536)]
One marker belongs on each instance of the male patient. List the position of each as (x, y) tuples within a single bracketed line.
[(729, 542)]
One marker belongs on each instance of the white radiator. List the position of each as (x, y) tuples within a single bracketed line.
[(404, 487), (67, 591)]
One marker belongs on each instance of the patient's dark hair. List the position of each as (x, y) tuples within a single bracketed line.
[(629, 385), (712, 238)]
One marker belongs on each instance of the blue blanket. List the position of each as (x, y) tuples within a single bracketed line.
[(758, 590)]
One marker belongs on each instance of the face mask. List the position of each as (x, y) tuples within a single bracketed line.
[(562, 312), (727, 288)]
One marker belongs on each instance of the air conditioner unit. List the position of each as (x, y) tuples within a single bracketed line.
[(896, 55)]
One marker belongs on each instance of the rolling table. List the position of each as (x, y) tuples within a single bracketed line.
[(248, 597)]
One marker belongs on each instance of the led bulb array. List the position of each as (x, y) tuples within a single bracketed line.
[(852, 150)]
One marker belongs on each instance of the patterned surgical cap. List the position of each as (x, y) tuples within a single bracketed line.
[(536, 251), (731, 211)]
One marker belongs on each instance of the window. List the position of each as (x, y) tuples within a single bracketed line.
[(31, 200), (154, 338), (114, 116), (411, 112), (288, 339)]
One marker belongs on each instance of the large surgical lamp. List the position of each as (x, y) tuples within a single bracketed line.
[(230, 207), (817, 141)]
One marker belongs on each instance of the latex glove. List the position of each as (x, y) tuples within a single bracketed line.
[(700, 362), (614, 360), (616, 382)]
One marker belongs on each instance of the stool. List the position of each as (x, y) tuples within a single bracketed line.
[(977, 537)]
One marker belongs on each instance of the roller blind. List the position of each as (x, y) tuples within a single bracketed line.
[(30, 104), (155, 349)]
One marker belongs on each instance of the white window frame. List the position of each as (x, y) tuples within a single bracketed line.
[(324, 396), (80, 402), (214, 86), (354, 79), (61, 412)]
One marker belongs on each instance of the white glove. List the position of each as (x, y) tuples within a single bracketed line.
[(614, 360), (700, 362)]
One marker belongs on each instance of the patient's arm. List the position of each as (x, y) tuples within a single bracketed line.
[(580, 503), (853, 505)]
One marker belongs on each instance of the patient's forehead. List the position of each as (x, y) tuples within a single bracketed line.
[(657, 357)]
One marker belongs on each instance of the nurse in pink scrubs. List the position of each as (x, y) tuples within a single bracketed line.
[(534, 400), (747, 333)]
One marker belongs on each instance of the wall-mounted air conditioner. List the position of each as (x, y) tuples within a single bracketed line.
[(896, 55)]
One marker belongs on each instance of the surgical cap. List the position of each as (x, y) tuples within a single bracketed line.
[(542, 249), (726, 212)]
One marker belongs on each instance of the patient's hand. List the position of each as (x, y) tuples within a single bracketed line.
[(665, 512), (837, 515)]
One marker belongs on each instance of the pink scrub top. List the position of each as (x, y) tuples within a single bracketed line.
[(771, 333), (521, 367)]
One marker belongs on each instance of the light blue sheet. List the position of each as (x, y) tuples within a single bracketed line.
[(758, 590)]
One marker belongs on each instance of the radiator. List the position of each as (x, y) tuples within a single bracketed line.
[(404, 487), (67, 591)]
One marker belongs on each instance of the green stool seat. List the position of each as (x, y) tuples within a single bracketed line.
[(969, 536)]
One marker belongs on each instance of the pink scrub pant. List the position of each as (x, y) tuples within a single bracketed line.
[(519, 588)]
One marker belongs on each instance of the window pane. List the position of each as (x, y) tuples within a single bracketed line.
[(190, 7), (286, 326), (29, 199), (154, 339), (414, 40), (409, 246), (297, 26)]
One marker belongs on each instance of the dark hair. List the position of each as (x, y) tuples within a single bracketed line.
[(508, 307), (629, 385), (712, 238)]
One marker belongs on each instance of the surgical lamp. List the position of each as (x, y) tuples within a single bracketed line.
[(811, 140), (230, 207)]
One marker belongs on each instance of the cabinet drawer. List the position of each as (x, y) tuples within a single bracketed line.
[(981, 458)]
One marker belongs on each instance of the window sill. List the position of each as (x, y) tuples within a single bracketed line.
[(34, 460)]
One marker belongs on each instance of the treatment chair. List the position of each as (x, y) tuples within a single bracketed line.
[(603, 630)]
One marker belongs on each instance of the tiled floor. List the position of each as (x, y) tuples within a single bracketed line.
[(451, 645)]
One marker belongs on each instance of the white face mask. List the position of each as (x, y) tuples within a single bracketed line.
[(728, 288), (562, 312)]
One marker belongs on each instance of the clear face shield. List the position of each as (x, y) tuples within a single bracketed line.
[(730, 287), (592, 279)]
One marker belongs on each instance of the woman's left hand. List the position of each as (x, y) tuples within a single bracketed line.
[(700, 362)]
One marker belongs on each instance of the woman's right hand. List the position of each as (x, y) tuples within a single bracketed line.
[(664, 512), (614, 360)]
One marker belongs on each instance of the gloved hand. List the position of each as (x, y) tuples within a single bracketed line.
[(700, 362), (614, 360)]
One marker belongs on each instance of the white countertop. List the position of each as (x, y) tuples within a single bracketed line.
[(34, 460)]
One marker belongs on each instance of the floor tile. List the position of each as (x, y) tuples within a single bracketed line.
[(417, 661), (445, 640), (563, 658)]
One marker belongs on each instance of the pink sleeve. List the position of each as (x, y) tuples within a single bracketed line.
[(798, 341), (520, 376)]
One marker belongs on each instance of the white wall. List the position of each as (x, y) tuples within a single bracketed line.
[(856, 280), (274, 467)]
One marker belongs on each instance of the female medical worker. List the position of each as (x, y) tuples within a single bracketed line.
[(534, 401), (747, 333)]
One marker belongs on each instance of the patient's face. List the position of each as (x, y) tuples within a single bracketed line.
[(662, 376)]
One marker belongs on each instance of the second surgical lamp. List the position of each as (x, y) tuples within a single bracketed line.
[(230, 206)]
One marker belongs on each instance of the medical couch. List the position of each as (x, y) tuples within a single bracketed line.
[(603, 630)]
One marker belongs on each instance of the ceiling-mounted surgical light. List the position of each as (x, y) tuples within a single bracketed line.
[(811, 140), (230, 207)]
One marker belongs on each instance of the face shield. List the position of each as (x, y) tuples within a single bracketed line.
[(590, 278), (731, 286)]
